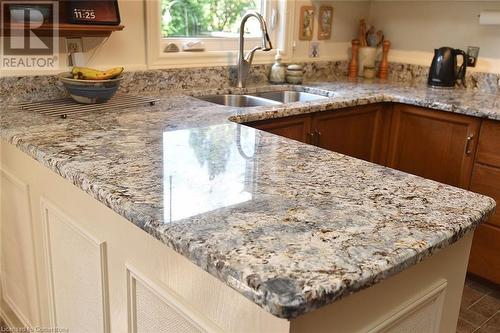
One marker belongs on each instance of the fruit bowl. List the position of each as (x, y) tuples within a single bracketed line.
[(90, 91)]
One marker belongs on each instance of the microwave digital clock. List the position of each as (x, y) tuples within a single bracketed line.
[(98, 12)]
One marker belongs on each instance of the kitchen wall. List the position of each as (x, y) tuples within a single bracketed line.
[(127, 48), (345, 17), (415, 28)]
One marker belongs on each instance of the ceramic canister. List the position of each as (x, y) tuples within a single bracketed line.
[(367, 56), (295, 74)]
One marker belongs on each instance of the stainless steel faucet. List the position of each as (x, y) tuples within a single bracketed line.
[(245, 62)]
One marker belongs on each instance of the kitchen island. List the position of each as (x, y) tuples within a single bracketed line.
[(241, 229)]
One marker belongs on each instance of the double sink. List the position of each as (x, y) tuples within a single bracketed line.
[(268, 98)]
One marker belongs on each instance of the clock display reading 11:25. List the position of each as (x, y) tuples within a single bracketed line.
[(84, 14), (94, 12)]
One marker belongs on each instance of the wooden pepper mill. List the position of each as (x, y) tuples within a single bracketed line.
[(353, 65), (383, 71)]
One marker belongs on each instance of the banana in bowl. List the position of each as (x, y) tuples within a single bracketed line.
[(89, 86), (84, 73)]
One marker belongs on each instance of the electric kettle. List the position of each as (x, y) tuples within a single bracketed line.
[(444, 71)]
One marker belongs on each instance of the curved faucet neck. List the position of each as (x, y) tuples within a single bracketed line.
[(245, 62)]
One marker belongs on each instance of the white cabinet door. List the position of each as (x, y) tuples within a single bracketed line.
[(18, 266), (422, 314), (77, 273), (155, 308)]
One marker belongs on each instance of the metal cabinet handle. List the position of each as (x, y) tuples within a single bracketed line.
[(310, 138), (468, 149), (318, 135)]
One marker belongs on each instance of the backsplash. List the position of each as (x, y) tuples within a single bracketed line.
[(162, 81), (171, 81), (486, 82)]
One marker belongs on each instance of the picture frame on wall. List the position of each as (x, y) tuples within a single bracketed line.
[(325, 21), (306, 30)]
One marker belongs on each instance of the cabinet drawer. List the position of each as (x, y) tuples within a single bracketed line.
[(484, 258), (486, 180), (489, 143)]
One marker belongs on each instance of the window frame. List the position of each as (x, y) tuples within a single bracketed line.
[(156, 43)]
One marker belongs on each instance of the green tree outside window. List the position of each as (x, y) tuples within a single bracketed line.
[(202, 18)]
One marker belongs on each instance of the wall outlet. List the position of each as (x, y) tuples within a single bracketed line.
[(74, 45), (473, 54), (78, 59), (314, 50)]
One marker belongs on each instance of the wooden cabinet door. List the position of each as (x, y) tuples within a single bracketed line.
[(488, 150), (294, 127), (360, 132), (484, 258), (486, 180), (433, 144)]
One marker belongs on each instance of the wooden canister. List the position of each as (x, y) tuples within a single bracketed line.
[(353, 65), (383, 71)]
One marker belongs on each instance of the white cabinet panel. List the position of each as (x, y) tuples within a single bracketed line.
[(78, 274), (420, 315), (19, 279), (155, 309)]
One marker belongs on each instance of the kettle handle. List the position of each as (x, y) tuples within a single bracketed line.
[(463, 68)]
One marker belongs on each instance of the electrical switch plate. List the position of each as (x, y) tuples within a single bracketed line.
[(74, 45), (473, 54), (314, 50)]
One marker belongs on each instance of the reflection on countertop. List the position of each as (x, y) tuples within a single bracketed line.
[(210, 166)]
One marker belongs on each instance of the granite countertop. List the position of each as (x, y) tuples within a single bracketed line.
[(290, 226)]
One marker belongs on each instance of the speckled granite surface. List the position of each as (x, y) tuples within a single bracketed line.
[(345, 93), (178, 80), (290, 226)]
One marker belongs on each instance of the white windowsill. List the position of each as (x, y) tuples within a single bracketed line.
[(158, 59), (207, 58)]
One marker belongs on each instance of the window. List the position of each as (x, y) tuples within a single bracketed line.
[(207, 18), (214, 23)]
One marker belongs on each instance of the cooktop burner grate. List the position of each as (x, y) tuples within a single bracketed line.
[(66, 107)]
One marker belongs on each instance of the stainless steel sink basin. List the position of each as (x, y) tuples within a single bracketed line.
[(238, 100), (290, 96)]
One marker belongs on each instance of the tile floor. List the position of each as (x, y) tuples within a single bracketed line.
[(480, 308)]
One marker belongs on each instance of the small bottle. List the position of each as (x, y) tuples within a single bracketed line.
[(277, 75)]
